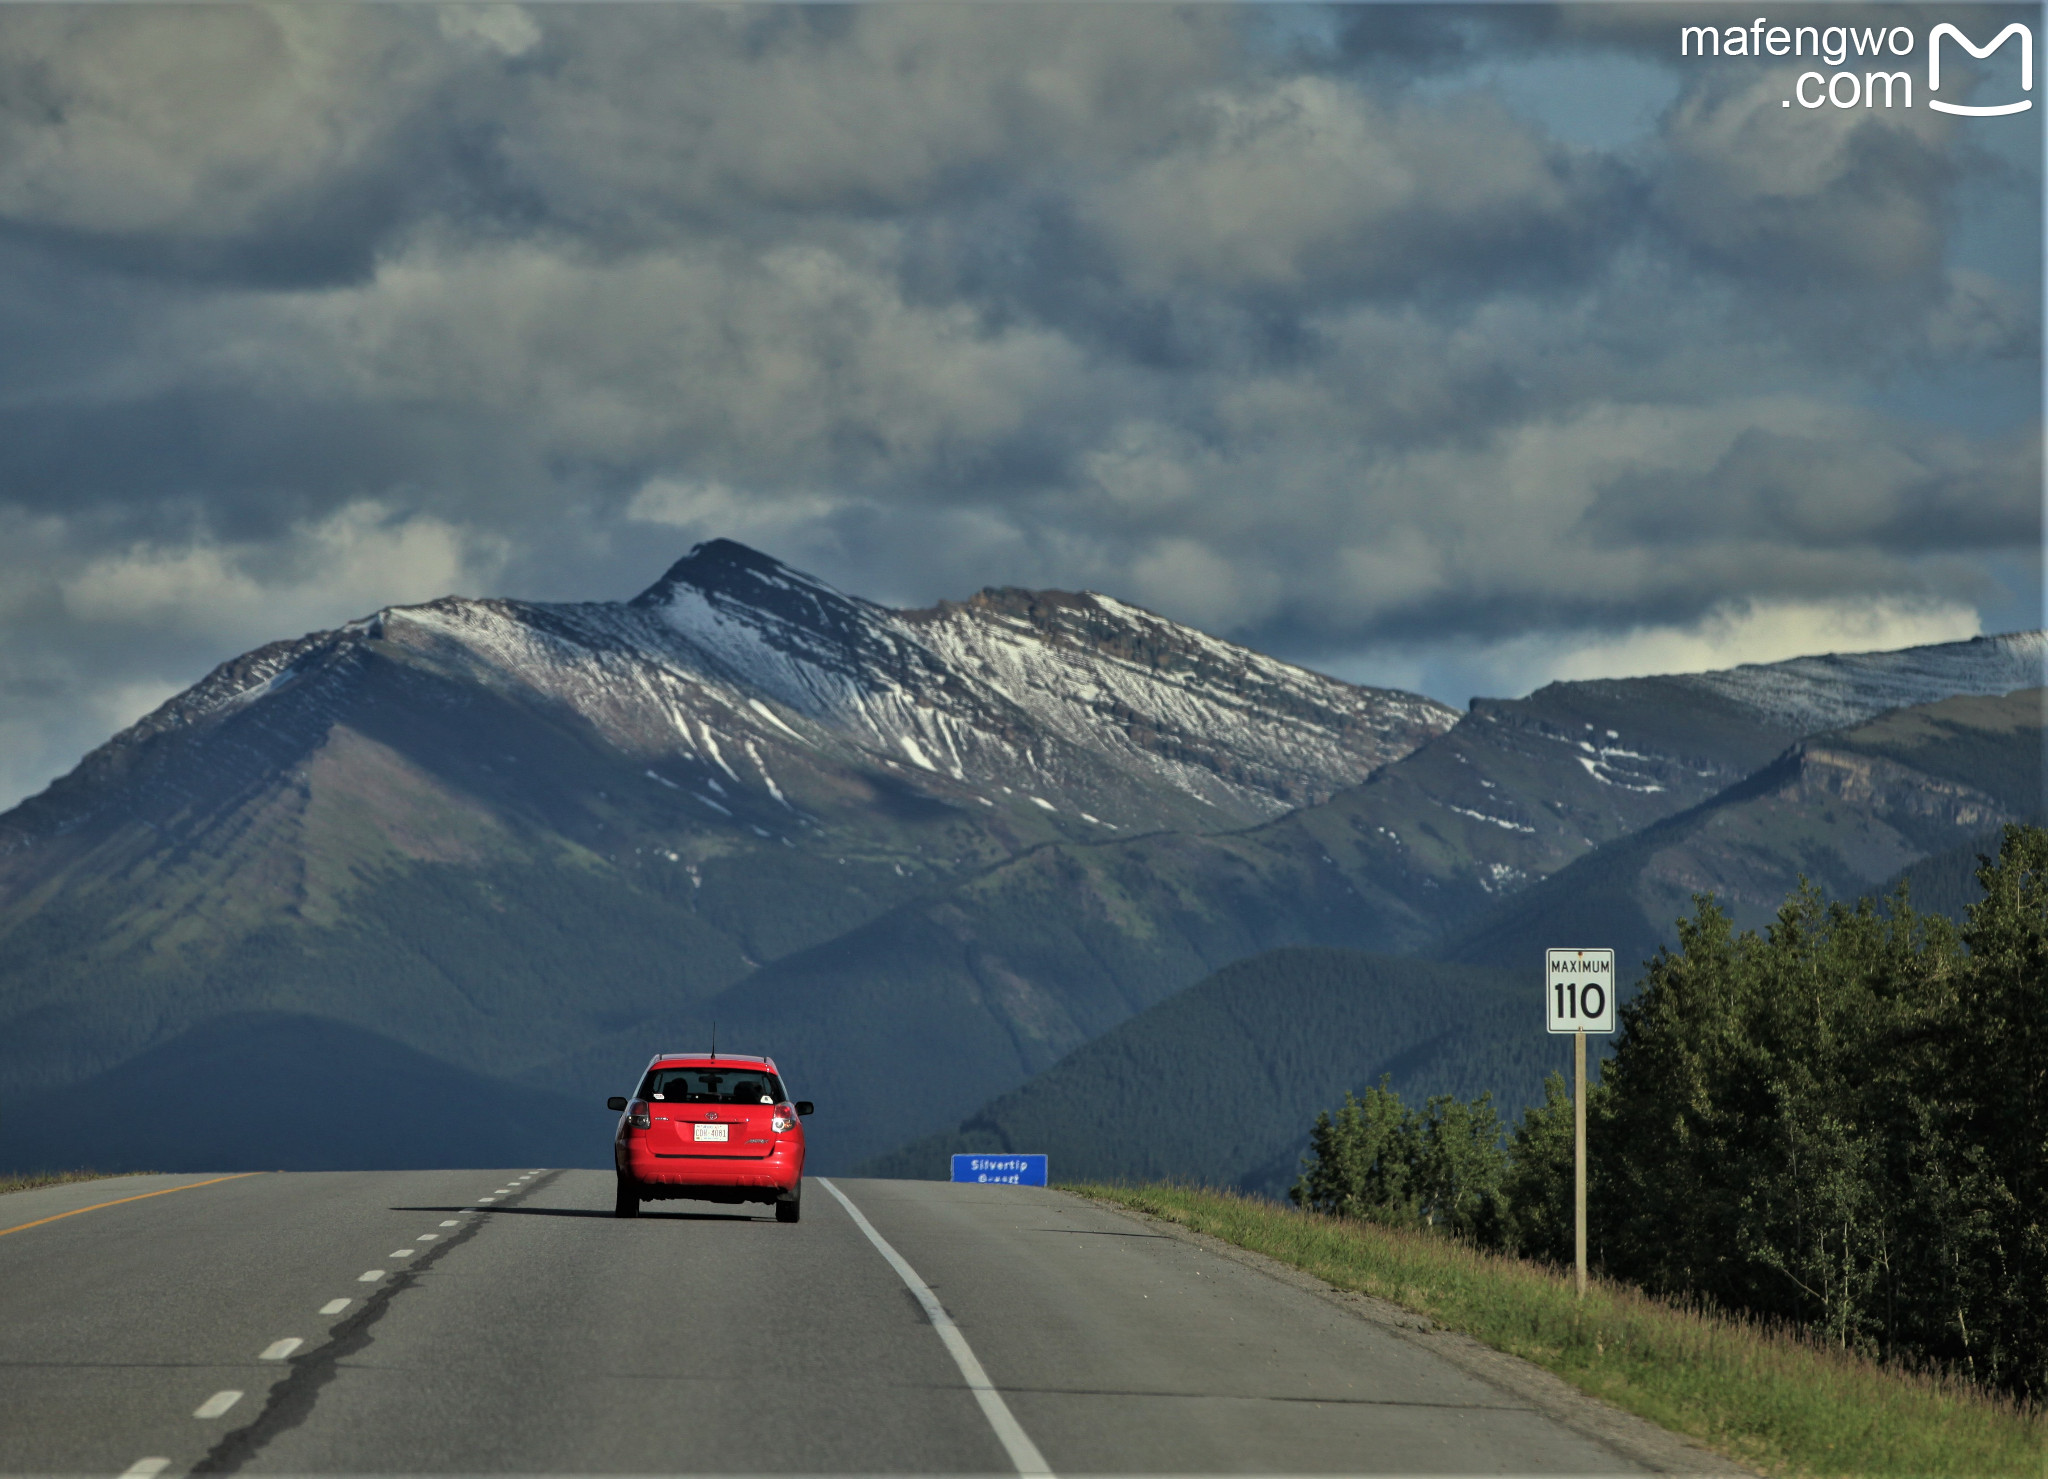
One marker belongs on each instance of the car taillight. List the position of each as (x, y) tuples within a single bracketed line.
[(636, 1115), (785, 1118)]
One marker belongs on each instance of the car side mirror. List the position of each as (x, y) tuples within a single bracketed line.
[(617, 1101), (804, 1106)]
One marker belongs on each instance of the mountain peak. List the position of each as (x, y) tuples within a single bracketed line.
[(724, 566)]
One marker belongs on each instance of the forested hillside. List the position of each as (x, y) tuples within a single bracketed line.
[(1217, 1084), (1840, 1121)]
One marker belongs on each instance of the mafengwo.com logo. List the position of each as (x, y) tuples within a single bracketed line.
[(1848, 85)]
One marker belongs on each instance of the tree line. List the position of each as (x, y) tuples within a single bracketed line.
[(1841, 1122)]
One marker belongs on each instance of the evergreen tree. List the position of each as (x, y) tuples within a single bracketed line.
[(1995, 1131)]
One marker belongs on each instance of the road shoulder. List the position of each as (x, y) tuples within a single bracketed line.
[(1636, 1439)]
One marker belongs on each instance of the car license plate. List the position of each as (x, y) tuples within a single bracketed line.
[(712, 1132)]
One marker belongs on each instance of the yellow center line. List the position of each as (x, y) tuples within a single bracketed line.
[(139, 1196)]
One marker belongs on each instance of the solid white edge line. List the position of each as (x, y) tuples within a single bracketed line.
[(1024, 1454)]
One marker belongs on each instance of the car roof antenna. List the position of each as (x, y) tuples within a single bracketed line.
[(714, 1039)]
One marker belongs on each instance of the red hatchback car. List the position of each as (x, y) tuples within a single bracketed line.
[(713, 1129)]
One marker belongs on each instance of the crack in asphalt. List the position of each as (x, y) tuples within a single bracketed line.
[(292, 1400)]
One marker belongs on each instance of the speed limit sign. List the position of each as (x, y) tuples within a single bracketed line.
[(1578, 998), (1579, 991)]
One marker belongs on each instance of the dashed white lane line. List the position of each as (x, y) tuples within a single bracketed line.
[(279, 1350), (451, 1222), (426, 1237), (401, 1252), (369, 1276), (218, 1403), (1024, 1454), (335, 1306), (487, 1199), (145, 1468)]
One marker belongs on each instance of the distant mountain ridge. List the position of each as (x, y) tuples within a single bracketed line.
[(1219, 1082), (1848, 809), (1091, 705), (1811, 694)]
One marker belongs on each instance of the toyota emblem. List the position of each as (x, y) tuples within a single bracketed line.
[(712, 1116)]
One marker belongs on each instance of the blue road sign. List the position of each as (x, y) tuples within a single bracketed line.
[(1000, 1170)]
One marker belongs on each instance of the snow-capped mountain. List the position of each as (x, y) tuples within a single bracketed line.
[(735, 672), (1070, 699)]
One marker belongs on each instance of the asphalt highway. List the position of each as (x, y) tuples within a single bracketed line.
[(504, 1322)]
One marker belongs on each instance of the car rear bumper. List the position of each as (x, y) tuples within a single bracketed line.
[(696, 1175)]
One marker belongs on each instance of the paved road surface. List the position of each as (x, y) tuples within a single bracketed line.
[(488, 1322)]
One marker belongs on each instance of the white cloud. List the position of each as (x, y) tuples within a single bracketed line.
[(1735, 633), (1768, 631), (346, 565), (1197, 584), (712, 510), (797, 363), (507, 30), (195, 121), (1311, 178), (1830, 197)]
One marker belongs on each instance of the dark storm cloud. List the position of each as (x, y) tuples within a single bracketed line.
[(1824, 488), (1316, 327)]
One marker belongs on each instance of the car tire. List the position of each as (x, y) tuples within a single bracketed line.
[(790, 1208), (627, 1203)]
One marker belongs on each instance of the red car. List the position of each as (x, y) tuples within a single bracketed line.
[(713, 1129)]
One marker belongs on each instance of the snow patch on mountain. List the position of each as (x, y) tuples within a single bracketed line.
[(1810, 694)]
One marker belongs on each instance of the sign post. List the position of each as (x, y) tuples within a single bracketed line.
[(1578, 997)]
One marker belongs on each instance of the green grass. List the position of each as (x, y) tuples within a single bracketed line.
[(30, 1180), (1770, 1399)]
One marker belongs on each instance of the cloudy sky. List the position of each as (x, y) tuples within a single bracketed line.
[(1457, 349)]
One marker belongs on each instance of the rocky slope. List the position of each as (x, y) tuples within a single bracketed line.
[(654, 796), (1848, 809)]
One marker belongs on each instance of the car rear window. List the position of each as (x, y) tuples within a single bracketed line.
[(704, 1085)]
